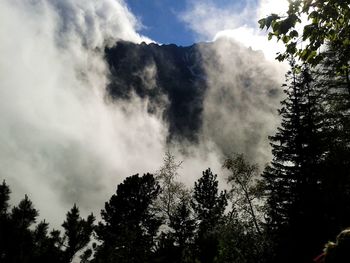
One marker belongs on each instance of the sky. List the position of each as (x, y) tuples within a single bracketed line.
[(162, 20), (185, 22)]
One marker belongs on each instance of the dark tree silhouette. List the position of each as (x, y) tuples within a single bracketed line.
[(4, 198), (293, 179), (184, 226), (129, 224), (209, 205), (21, 242), (4, 220), (335, 165), (77, 232), (24, 242)]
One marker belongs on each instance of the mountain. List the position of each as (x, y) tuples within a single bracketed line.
[(170, 76), (212, 89)]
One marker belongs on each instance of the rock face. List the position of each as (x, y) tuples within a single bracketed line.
[(217, 91), (171, 77)]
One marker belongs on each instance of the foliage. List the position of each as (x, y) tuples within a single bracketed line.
[(309, 180), (209, 205), (327, 22), (77, 232), (129, 224), (246, 191), (23, 241), (239, 245), (177, 245), (293, 177), (183, 225), (4, 198), (172, 192)]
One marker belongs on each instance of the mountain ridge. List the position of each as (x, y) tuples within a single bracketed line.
[(181, 80)]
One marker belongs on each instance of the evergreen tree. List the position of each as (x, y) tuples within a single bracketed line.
[(335, 166), (292, 179), (209, 205), (4, 198), (4, 220), (21, 242), (183, 226), (18, 242), (129, 224), (239, 245), (327, 49), (47, 247), (77, 232)]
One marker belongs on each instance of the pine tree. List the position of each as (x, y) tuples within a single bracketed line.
[(77, 232), (23, 217), (4, 198), (292, 179), (4, 219), (129, 224), (183, 226), (335, 166), (47, 248), (177, 244), (209, 206)]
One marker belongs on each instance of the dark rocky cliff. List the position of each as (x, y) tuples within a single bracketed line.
[(152, 71)]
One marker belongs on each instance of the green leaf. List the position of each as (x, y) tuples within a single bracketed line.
[(285, 39), (294, 34), (311, 55), (313, 15), (303, 53), (281, 57), (270, 19), (306, 7), (262, 23), (291, 48)]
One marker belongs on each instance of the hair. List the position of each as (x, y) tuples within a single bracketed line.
[(338, 252)]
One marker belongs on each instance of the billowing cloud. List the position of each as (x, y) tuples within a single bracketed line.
[(211, 21), (267, 7), (241, 100), (206, 18), (61, 139), (243, 87)]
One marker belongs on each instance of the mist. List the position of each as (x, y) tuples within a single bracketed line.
[(63, 140), (241, 100)]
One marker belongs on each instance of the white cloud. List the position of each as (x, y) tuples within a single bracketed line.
[(241, 81), (61, 141), (210, 22), (253, 38), (242, 98), (267, 7), (206, 18)]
